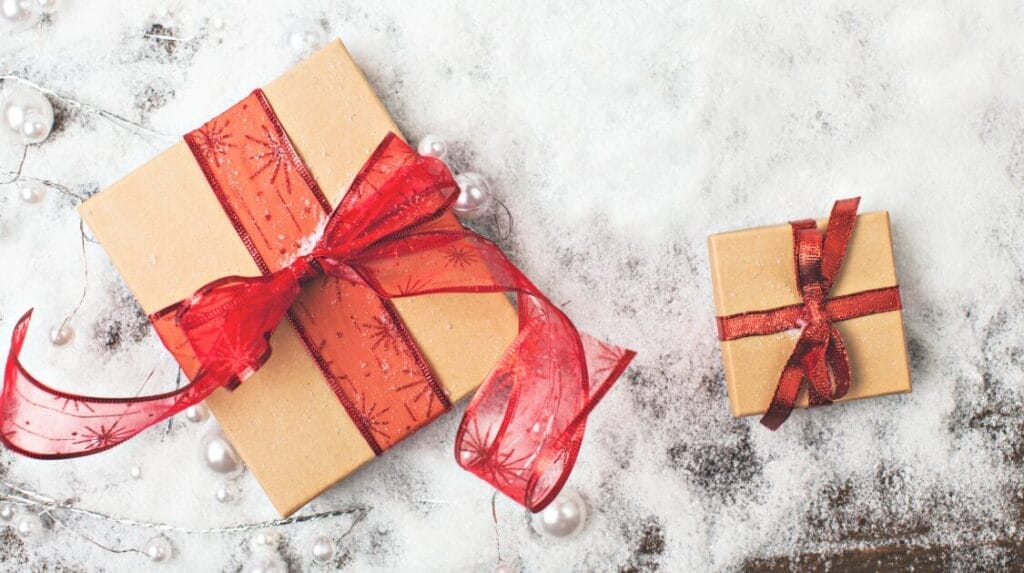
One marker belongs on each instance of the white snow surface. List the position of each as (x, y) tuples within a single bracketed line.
[(619, 134)]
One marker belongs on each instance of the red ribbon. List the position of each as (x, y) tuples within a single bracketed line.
[(521, 431), (820, 356)]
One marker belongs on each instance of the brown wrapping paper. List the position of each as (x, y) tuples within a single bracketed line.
[(752, 270), (168, 235)]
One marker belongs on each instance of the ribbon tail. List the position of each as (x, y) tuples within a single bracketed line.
[(838, 364), (785, 396), (41, 422), (523, 428), (836, 239), (819, 389), (790, 381)]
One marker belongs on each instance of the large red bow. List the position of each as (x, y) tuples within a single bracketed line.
[(820, 355), (521, 431)]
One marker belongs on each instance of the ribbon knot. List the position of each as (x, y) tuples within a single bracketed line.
[(819, 357), (807, 243), (305, 268), (814, 311)]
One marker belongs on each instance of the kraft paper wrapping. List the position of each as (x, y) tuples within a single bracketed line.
[(168, 235), (752, 269)]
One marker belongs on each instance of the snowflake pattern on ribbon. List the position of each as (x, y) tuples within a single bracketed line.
[(393, 235)]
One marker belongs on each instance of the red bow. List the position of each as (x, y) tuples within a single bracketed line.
[(820, 355), (521, 431)]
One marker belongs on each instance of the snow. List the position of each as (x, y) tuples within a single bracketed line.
[(619, 135)]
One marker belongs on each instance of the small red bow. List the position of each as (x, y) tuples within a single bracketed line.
[(820, 355)]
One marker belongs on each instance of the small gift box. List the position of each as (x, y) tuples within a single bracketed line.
[(297, 221), (808, 313)]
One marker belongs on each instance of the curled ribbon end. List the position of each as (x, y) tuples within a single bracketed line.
[(519, 441), (774, 419), (18, 336)]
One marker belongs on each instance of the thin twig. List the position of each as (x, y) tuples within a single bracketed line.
[(494, 517), (112, 117), (169, 38), (511, 219), (177, 384), (16, 174), (85, 281), (359, 518), (26, 492), (62, 189), (434, 501), (27, 498), (89, 539)]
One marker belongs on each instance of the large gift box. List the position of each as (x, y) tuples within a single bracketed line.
[(167, 232), (766, 281)]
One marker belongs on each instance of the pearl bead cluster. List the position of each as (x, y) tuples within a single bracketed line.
[(26, 114), (27, 524), (26, 118), (266, 559), (475, 196)]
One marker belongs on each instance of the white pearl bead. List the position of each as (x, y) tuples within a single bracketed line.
[(62, 334), (197, 414), (565, 516), (30, 526), (48, 6), (265, 539), (34, 130), (265, 563), (323, 550), (219, 455), (136, 472), (474, 195), (17, 14), (227, 492), (432, 146), (7, 512), (13, 114), (27, 114), (31, 191), (158, 549)]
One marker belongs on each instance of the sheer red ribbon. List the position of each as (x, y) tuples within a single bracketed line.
[(387, 239), (820, 355)]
